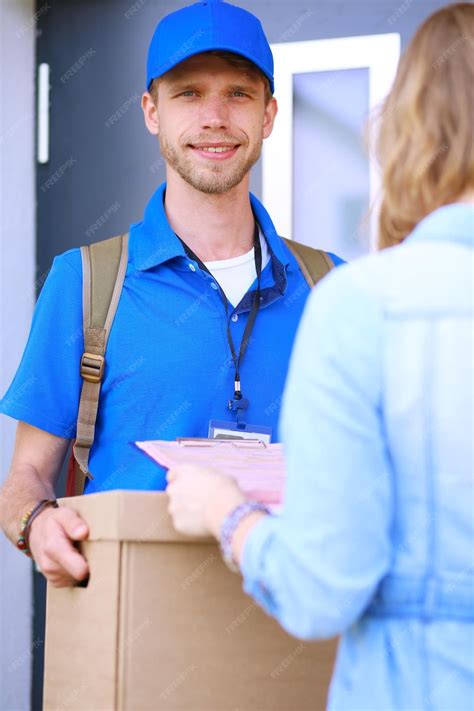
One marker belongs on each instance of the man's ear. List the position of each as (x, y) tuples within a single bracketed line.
[(150, 113), (271, 110)]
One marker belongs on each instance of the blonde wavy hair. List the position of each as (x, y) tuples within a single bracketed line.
[(425, 143)]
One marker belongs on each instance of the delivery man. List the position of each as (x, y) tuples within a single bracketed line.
[(210, 303)]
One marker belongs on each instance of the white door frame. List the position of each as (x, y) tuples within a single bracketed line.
[(378, 53)]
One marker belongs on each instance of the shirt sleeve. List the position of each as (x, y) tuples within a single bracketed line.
[(316, 566), (46, 387)]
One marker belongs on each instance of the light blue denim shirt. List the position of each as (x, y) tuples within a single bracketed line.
[(375, 540)]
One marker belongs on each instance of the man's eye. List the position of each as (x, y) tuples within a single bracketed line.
[(188, 92), (239, 93)]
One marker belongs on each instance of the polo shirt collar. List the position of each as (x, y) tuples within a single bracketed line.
[(274, 241), (153, 242)]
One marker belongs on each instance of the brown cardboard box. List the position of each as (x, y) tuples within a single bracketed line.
[(164, 625)]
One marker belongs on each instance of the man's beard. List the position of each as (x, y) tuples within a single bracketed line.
[(214, 179)]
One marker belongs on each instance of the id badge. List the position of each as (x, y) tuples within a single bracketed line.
[(221, 429)]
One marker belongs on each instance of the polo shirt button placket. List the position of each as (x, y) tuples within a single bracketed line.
[(235, 318)]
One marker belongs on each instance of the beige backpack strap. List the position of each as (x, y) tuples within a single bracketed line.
[(103, 267), (314, 263)]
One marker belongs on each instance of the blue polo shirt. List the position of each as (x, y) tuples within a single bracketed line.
[(168, 365)]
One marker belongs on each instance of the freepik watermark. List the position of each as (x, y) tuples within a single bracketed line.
[(31, 23), (58, 174), (122, 110), (103, 219), (77, 66), (295, 26)]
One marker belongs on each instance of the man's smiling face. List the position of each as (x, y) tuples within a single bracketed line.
[(212, 118)]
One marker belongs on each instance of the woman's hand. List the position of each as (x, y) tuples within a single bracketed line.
[(200, 499)]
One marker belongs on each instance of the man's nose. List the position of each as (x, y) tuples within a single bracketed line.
[(214, 113)]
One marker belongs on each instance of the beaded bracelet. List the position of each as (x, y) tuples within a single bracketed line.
[(229, 526), (27, 519)]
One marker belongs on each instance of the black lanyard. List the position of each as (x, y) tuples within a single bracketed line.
[(239, 403)]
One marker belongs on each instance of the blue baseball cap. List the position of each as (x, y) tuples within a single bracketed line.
[(204, 26)]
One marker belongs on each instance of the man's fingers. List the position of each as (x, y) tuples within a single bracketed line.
[(63, 561), (74, 526), (69, 559), (52, 538), (61, 580), (54, 550)]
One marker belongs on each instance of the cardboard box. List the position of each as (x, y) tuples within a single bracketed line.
[(164, 625)]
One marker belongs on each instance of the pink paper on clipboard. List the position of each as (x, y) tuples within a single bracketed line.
[(257, 467)]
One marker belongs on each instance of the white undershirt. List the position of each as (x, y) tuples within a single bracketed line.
[(236, 275)]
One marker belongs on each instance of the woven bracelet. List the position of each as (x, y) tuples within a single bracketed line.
[(25, 525), (231, 522)]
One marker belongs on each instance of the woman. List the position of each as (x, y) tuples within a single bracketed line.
[(375, 540)]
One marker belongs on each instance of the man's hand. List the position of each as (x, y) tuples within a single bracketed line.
[(51, 544)]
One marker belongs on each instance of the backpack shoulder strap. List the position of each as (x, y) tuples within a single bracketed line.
[(103, 271), (314, 263)]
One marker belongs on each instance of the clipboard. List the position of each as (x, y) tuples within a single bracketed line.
[(207, 442), (256, 466)]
